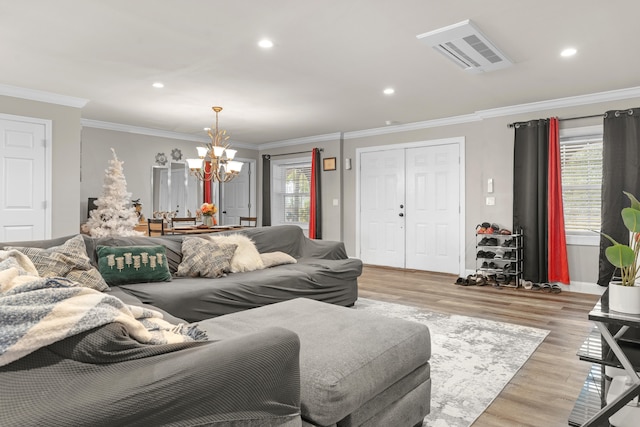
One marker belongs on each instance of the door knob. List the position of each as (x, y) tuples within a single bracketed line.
[(224, 212), (400, 214), (401, 206)]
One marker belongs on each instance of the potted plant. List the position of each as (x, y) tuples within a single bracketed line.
[(624, 295)]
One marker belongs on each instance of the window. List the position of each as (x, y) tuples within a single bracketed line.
[(291, 195), (581, 164)]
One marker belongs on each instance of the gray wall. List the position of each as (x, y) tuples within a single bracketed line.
[(138, 153), (489, 154), (65, 157), (331, 182)]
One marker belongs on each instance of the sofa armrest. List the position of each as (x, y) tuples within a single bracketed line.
[(324, 249), (251, 380)]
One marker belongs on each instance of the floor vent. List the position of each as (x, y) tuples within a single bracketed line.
[(464, 44)]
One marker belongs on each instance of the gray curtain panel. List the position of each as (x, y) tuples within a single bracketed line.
[(266, 190), (620, 166), (530, 168)]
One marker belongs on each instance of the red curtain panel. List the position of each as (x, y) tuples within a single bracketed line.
[(207, 182), (313, 208), (558, 264)]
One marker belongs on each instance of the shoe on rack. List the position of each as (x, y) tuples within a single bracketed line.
[(485, 265), (484, 241)]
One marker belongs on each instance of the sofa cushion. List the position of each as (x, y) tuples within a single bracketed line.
[(67, 260), (246, 257), (133, 264), (204, 258), (271, 259)]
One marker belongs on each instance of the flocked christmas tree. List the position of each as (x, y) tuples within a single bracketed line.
[(114, 215)]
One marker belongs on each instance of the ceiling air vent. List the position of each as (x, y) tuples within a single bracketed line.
[(464, 44)]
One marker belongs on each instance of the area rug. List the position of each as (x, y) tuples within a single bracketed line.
[(472, 359)]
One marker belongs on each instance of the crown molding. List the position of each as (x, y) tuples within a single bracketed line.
[(299, 141), (118, 127), (570, 101), (447, 121), (42, 96)]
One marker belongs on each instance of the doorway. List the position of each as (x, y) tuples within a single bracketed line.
[(410, 205), (25, 173), (238, 196)]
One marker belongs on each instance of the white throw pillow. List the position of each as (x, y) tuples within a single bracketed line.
[(271, 259), (246, 256)]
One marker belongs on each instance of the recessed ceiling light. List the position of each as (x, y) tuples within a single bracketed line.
[(158, 85), (568, 52), (389, 91), (265, 43), (207, 129)]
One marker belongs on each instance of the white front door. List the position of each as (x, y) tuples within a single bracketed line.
[(410, 207), (238, 196), (433, 211), (382, 208), (24, 171)]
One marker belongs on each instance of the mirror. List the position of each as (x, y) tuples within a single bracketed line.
[(174, 191)]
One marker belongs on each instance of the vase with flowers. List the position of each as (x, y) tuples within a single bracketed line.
[(208, 211), (624, 294)]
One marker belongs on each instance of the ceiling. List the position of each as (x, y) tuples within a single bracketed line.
[(328, 68)]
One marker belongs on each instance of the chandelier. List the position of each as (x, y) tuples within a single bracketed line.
[(216, 158)]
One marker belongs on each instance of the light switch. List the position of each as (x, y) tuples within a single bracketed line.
[(491, 201), (490, 185), (335, 202)]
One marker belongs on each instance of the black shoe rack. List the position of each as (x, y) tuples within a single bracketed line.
[(499, 258)]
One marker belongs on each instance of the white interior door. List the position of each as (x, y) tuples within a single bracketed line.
[(409, 207), (382, 237), (24, 171), (433, 208), (238, 196)]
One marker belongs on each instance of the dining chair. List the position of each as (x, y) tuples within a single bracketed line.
[(251, 220), (155, 227)]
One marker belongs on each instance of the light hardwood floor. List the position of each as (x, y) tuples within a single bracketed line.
[(543, 392)]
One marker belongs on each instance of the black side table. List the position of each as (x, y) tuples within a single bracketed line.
[(619, 333)]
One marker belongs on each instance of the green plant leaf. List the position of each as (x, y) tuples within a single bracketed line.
[(635, 204), (620, 255), (631, 219)]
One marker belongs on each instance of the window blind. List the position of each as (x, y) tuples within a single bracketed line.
[(581, 163), (293, 193)]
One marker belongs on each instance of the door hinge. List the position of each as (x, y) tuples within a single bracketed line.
[(44, 204)]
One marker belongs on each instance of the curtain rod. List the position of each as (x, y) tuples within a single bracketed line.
[(511, 125), (268, 156)]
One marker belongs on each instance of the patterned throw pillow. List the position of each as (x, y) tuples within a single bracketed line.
[(202, 258), (68, 260), (120, 265)]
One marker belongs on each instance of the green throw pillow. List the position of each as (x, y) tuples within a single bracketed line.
[(120, 265)]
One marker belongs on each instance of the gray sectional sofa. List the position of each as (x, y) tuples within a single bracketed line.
[(281, 351)]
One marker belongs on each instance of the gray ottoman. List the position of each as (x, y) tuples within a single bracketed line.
[(356, 368)]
